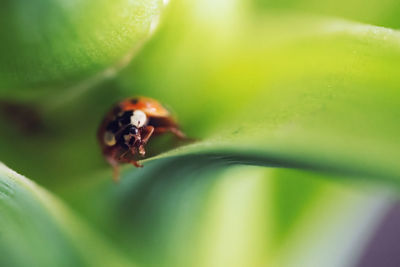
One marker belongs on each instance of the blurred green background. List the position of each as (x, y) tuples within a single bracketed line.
[(294, 106)]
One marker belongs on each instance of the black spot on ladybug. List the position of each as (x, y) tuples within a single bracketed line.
[(126, 131), (134, 101), (126, 117), (113, 127), (121, 140), (116, 110), (124, 146)]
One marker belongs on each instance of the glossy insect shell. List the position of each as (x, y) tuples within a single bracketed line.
[(129, 147), (151, 107), (155, 112)]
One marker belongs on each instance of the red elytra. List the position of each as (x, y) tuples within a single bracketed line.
[(128, 126)]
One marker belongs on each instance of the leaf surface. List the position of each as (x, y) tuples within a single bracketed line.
[(37, 229), (47, 45)]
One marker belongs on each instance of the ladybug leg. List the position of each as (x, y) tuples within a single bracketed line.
[(136, 164), (148, 131), (127, 160), (122, 156), (146, 134), (114, 164), (174, 130), (178, 133), (142, 152)]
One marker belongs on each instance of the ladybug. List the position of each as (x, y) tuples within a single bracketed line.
[(128, 126)]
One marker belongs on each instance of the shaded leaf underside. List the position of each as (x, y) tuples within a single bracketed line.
[(36, 229)]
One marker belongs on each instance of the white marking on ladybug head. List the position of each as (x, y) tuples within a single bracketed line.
[(138, 118)]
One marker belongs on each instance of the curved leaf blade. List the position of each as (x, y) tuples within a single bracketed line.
[(51, 44), (36, 229), (315, 92), (290, 91), (380, 13), (231, 214)]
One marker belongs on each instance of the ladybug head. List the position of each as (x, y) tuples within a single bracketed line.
[(131, 136), (133, 140)]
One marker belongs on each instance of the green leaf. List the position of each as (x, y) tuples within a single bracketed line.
[(284, 91), (294, 91), (380, 13), (37, 229), (202, 211), (288, 90), (49, 44)]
